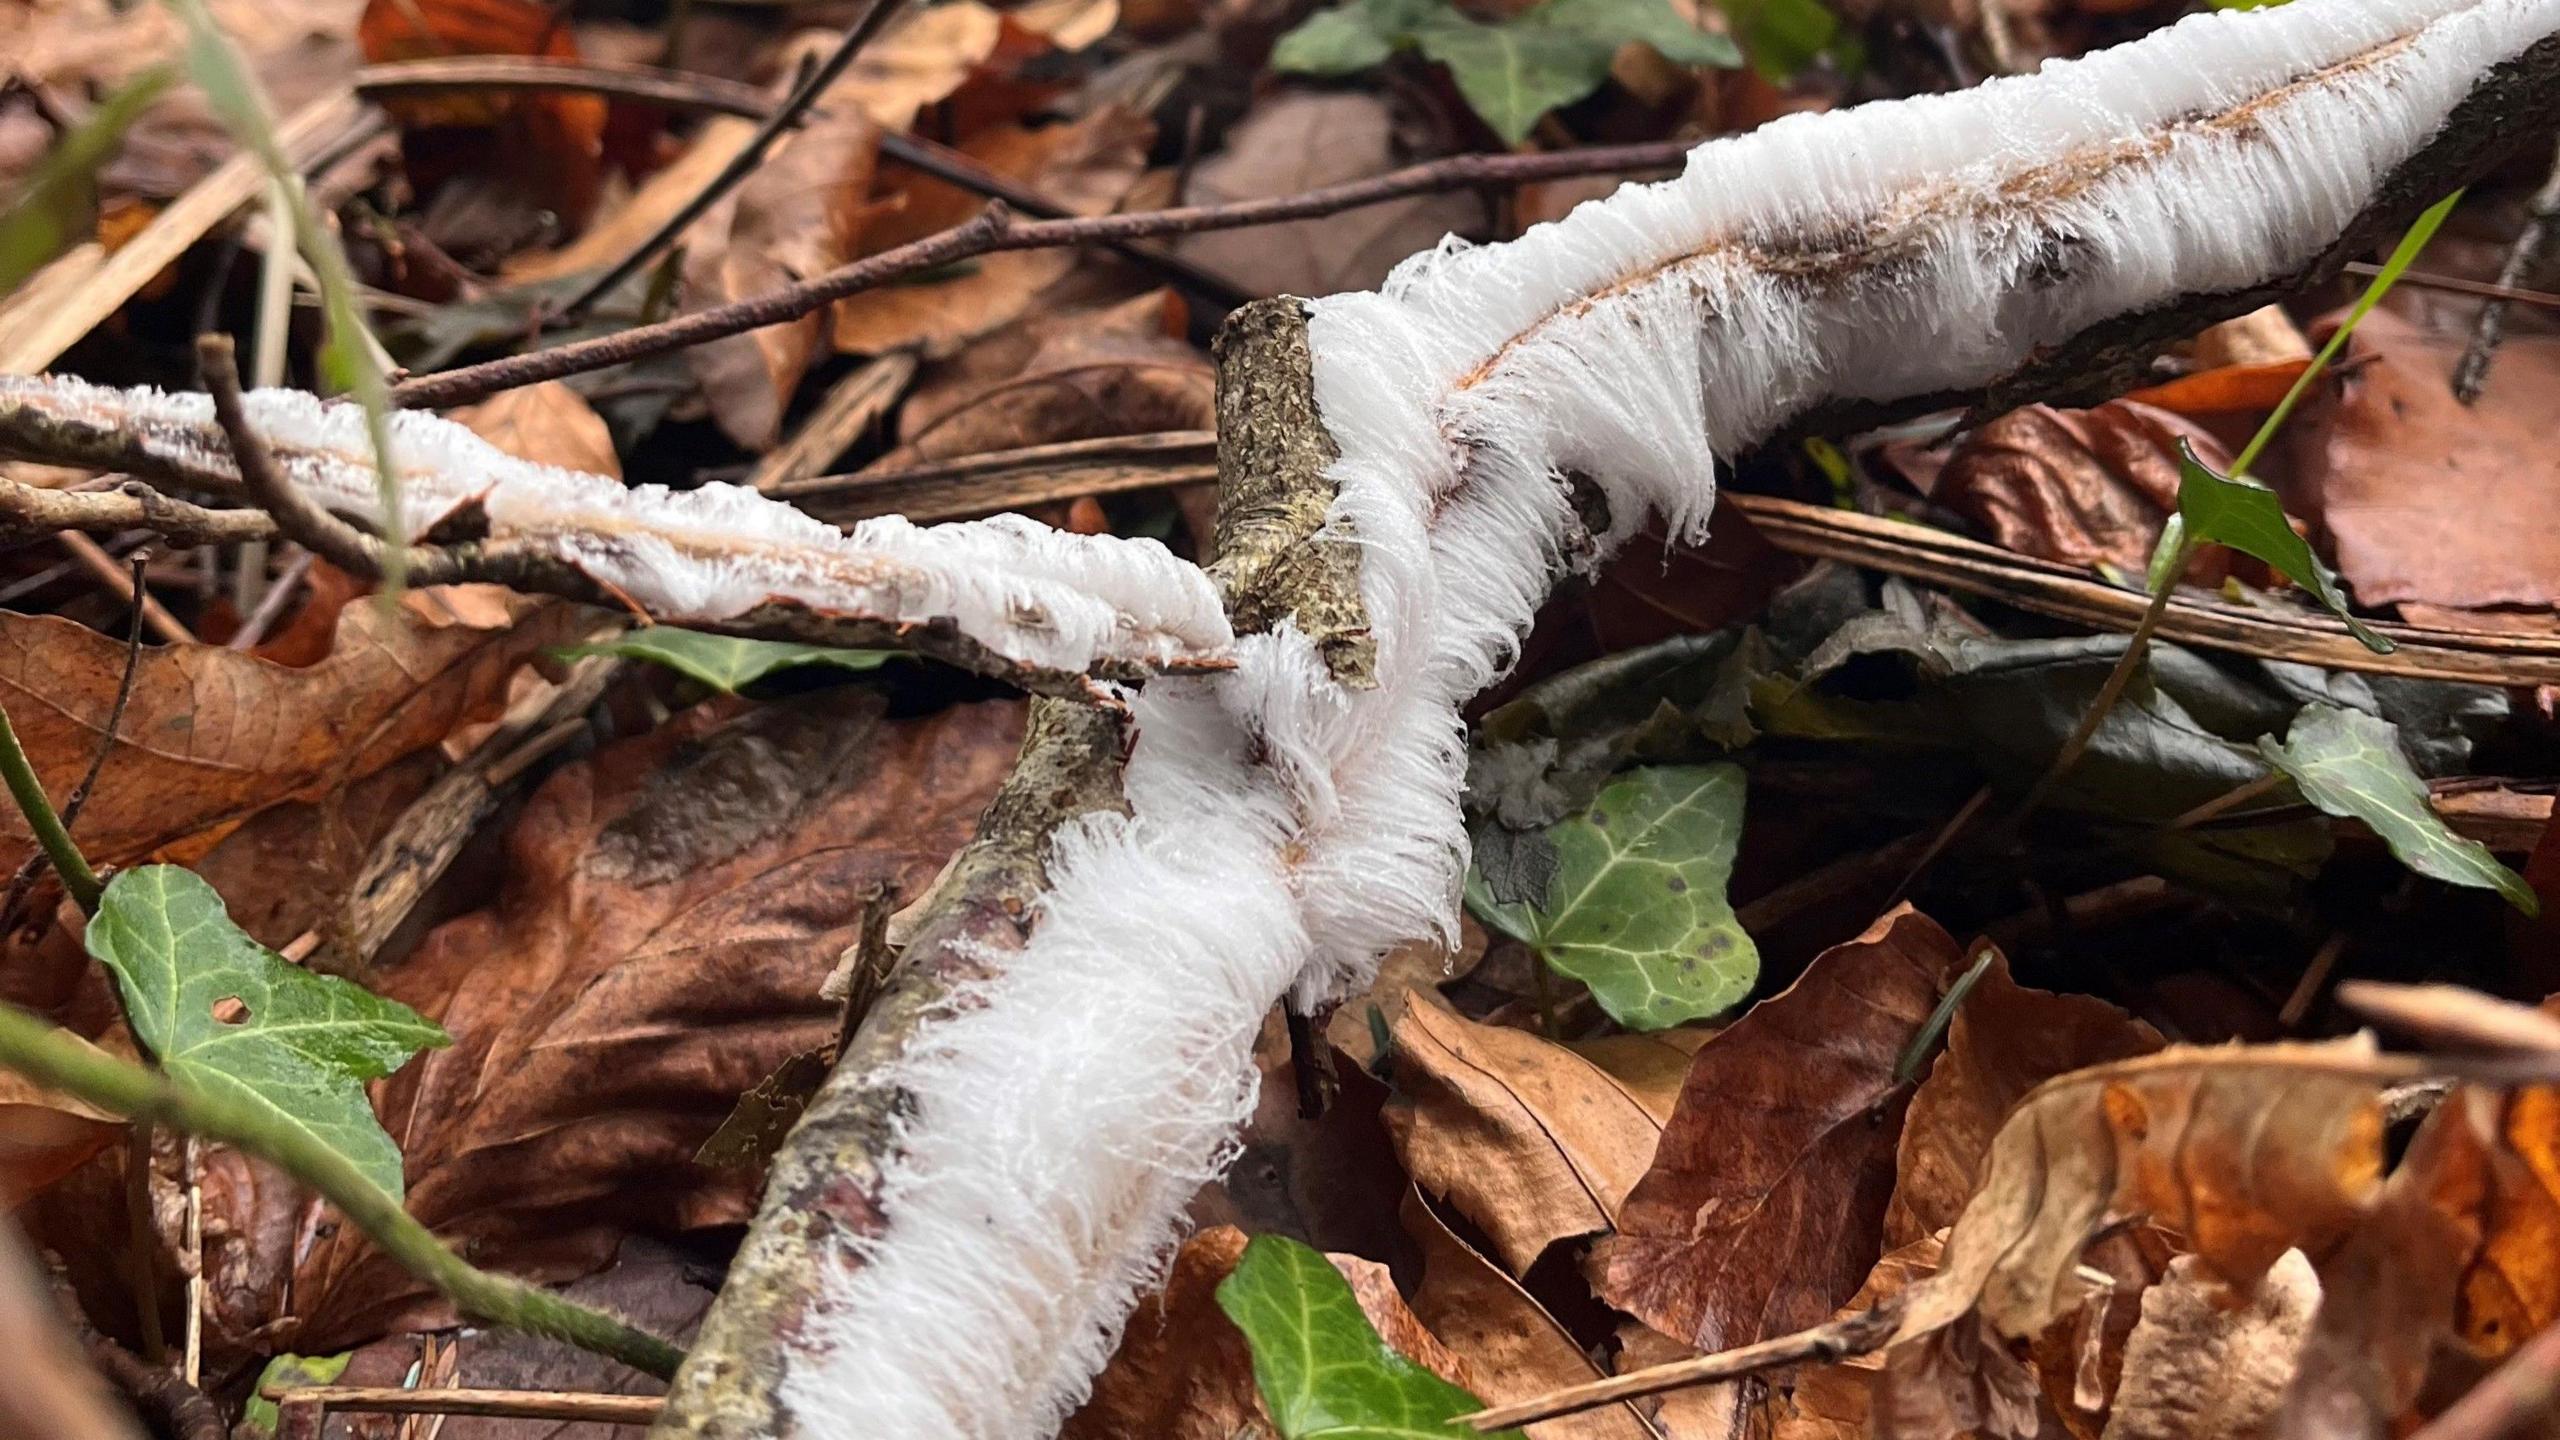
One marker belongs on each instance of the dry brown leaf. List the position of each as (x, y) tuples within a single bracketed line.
[(797, 216), (2400, 479), (1183, 1372), (2084, 487), (1834, 1401), (2207, 1365), (2264, 336), (1082, 375), (551, 143), (668, 911), (1361, 1025), (2005, 1040), (2227, 390), (921, 58), (1300, 140), (624, 227), (1501, 1330), (45, 1134), (549, 423), (1085, 166), (1765, 1201), (2240, 1152), (211, 735), (1532, 1141)]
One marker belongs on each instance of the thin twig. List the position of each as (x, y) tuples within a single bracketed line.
[(94, 559), (2522, 1391), (1850, 1335), (182, 1410), (32, 509), (598, 1409), (273, 604), (2227, 801), (56, 1058), (295, 513), (875, 14), (2473, 371), (994, 230), (115, 712), (2136, 646)]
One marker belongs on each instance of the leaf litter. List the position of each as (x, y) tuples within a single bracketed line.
[(1770, 1023)]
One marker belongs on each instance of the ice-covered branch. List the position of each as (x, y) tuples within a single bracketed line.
[(1047, 610), (1288, 822)]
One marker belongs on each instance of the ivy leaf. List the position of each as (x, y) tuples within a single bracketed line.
[(1637, 909), (1335, 42), (726, 663), (2350, 763), (1511, 73), (1323, 1371), (2246, 516), (306, 1044)]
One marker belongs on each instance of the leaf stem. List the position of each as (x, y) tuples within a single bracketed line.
[(2136, 646), (28, 791), (55, 1058)]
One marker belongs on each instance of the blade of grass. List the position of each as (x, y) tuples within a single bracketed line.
[(350, 360)]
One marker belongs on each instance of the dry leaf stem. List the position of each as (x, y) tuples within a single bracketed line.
[(2473, 371)]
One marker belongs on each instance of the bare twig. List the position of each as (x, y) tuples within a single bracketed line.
[(94, 559), (31, 509), (875, 14), (2518, 1394), (115, 713), (1858, 1334), (182, 1410), (2473, 371), (273, 604), (502, 1404), (994, 230)]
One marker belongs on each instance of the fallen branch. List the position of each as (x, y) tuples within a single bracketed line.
[(1049, 612)]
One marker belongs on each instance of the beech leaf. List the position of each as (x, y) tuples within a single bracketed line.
[(2247, 517), (2350, 763), (726, 663), (1322, 1368), (1637, 908), (307, 1042)]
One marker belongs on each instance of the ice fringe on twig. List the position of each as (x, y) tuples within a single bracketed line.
[(1038, 598), (1284, 832)]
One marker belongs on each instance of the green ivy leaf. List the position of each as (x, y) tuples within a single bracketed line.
[(1637, 910), (1782, 37), (1335, 42), (1323, 1371), (307, 1043), (726, 663), (2247, 517), (1511, 73), (2350, 763)]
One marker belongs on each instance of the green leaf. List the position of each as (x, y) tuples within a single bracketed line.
[(1512, 73), (726, 663), (58, 203), (1653, 22), (1637, 910), (1323, 1371), (307, 1043), (351, 360), (1782, 37), (288, 1372), (1334, 42), (2350, 763), (2246, 516)]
